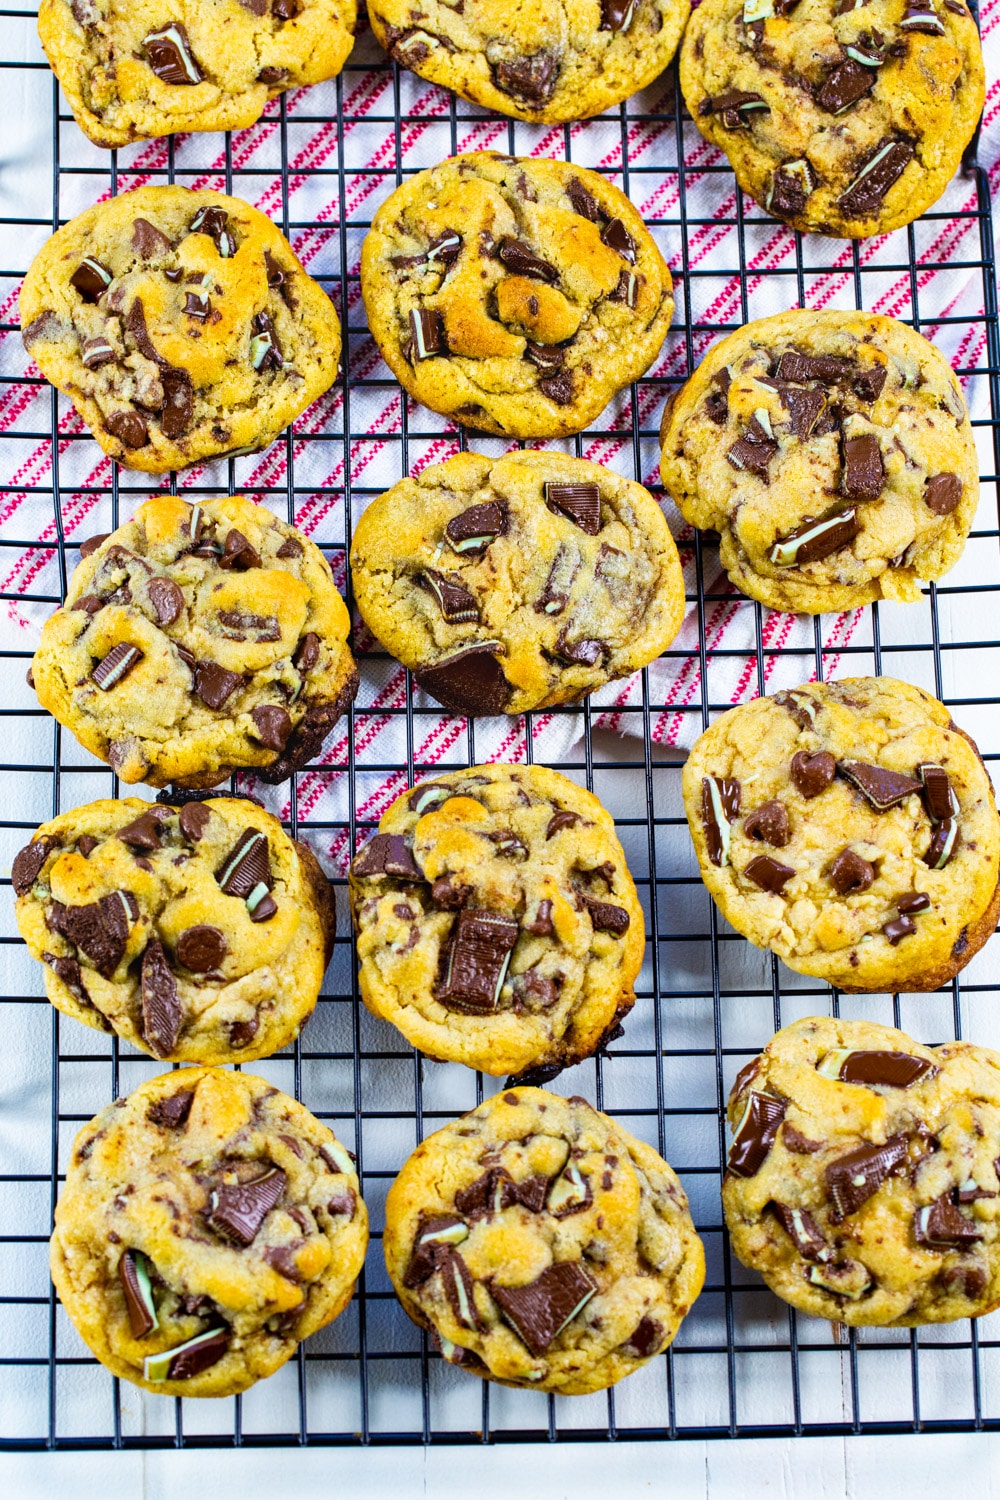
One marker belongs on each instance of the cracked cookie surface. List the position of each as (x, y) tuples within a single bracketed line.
[(515, 295), (181, 325), (132, 69), (548, 61), (516, 583), (542, 1244), (862, 1181), (851, 828), (197, 640), (497, 922), (833, 453), (208, 1224), (839, 116), (199, 932)]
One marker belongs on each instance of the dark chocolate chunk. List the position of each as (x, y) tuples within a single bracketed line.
[(791, 184), (427, 333), (86, 844), (942, 494), (920, 15), (193, 820), (805, 407), (720, 806), (913, 902), (472, 531), (617, 238), (239, 552), (489, 1194), (161, 1010), (560, 820), (735, 106), (477, 960), (883, 167), (864, 472), (170, 57), (201, 948), (899, 928), (540, 1311), (532, 78), (27, 864), (290, 547), (449, 896), (90, 604), (849, 82), (769, 824), (770, 874), (559, 388), (242, 1033), (850, 873), (521, 259), (942, 1224), (197, 305), (91, 543), (128, 427), (812, 773), (798, 1143), (171, 1112), (273, 724), (585, 653), (457, 605), (386, 854), (166, 599), (607, 917), (616, 15), (868, 383), (583, 201), (134, 1278), (271, 76), (147, 240), (753, 451), (214, 222), (645, 1339), (755, 1134), (816, 539), (196, 1356), (580, 503), (852, 1179), (247, 865), (881, 787), (307, 655), (100, 929), (828, 369), (97, 352), (470, 681), (214, 684), (91, 279), (802, 1230), (144, 831), (541, 924), (237, 1210), (942, 845), (891, 1070), (69, 972), (178, 403)]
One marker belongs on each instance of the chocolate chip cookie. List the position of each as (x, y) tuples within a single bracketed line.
[(838, 116), (516, 583), (197, 640), (208, 1224), (833, 453), (512, 294), (197, 931), (549, 61), (862, 1178), (497, 922), (181, 324), (542, 1245), (850, 827), (132, 70)]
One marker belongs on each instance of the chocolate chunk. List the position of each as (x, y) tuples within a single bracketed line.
[(472, 530), (852, 1179), (144, 831), (193, 1358), (274, 725), (178, 403), (920, 15), (166, 599), (735, 106), (247, 865), (45, 326), (489, 1194), (97, 352), (86, 844), (745, 1077), (457, 605), (585, 653), (559, 388), (508, 844), (193, 820), (606, 917), (27, 864), (583, 201), (942, 845), (272, 76), (471, 681), (753, 451), (540, 1311), (770, 874), (214, 684), (541, 925), (645, 1339), (850, 873), (521, 259), (942, 494), (570, 1193), (890, 1070), (100, 929), (91, 543), (805, 407), (769, 824), (878, 173), (458, 1287), (560, 820), (434, 1240), (134, 1277), (90, 604), (448, 896), (798, 1143), (128, 427), (290, 547), (791, 184), (477, 960), (899, 928), (147, 240), (812, 773), (616, 15), (91, 279), (171, 1112), (828, 369), (720, 806), (802, 706), (427, 333), (849, 82), (913, 902), (617, 238), (214, 222), (161, 1010), (941, 1224), (868, 383), (864, 472), (241, 626), (265, 349), (307, 655), (755, 1134), (285, 10), (881, 787), (816, 539), (242, 1033), (386, 854), (237, 1210), (169, 54), (68, 971), (580, 503), (239, 552), (532, 78), (802, 1230), (201, 948)]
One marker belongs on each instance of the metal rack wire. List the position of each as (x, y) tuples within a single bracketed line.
[(743, 1364)]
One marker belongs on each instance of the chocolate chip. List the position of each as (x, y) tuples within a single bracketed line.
[(307, 654), (645, 1339), (816, 539), (942, 494), (829, 369), (580, 503), (849, 82), (242, 1033), (274, 725), (214, 684), (171, 1112), (27, 864), (214, 221), (178, 403), (472, 530), (147, 240), (166, 599), (521, 259), (891, 1070), (812, 773), (478, 957), (720, 806), (201, 948), (616, 15), (585, 653), (606, 917), (541, 924), (560, 820), (427, 333), (770, 874), (753, 451), (91, 279), (100, 929), (91, 543), (143, 832), (239, 552), (291, 547), (540, 1311), (90, 604), (802, 1230), (457, 605), (913, 902), (247, 865), (271, 76), (237, 1210), (852, 1179), (532, 78), (386, 854), (583, 201), (285, 10), (128, 427), (193, 820), (864, 472), (558, 388), (755, 1134), (617, 238), (161, 1009), (898, 929), (850, 873), (169, 54), (878, 173), (86, 844), (881, 787), (769, 824), (471, 681)]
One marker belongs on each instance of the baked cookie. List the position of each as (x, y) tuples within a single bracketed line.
[(850, 827), (542, 1245), (135, 70), (497, 922), (862, 1178), (519, 582), (833, 453), (198, 932), (512, 294), (181, 325), (208, 1224), (847, 117), (547, 62), (197, 640)]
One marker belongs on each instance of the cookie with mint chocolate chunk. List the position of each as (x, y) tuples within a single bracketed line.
[(542, 1244), (881, 871), (832, 452), (207, 1225), (197, 931), (197, 640), (516, 583), (545, 62), (872, 1198), (180, 323), (497, 923), (133, 71), (838, 117), (516, 295)]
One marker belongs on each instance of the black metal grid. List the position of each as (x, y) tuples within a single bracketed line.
[(743, 1363)]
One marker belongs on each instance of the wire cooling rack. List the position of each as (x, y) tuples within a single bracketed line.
[(319, 163)]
